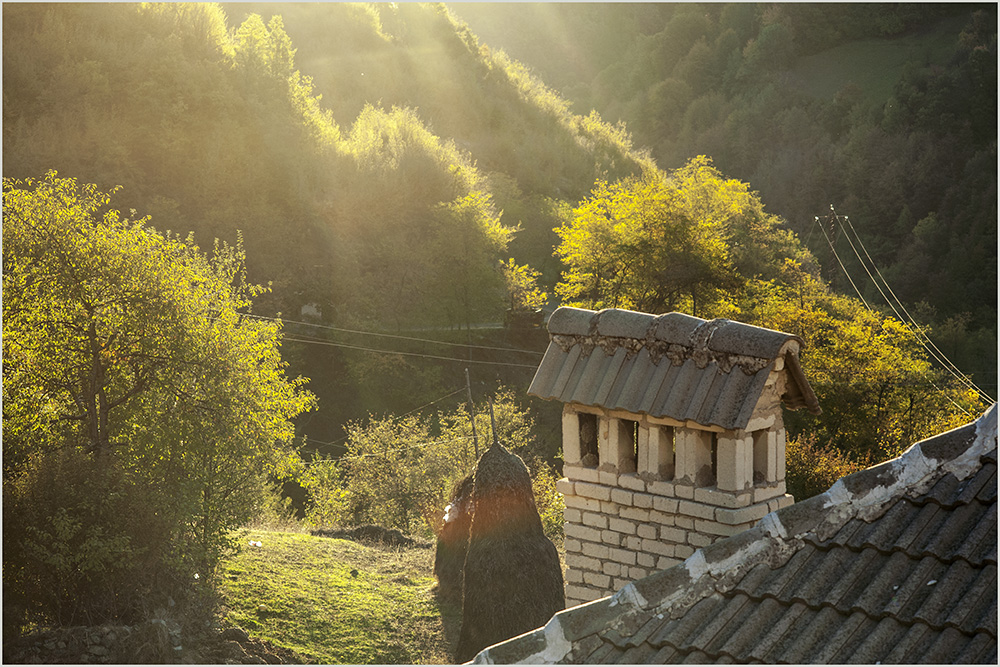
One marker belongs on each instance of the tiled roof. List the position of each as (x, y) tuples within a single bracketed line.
[(672, 365), (897, 563)]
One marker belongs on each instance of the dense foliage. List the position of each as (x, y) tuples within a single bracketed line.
[(401, 472), (402, 214), (785, 97), (142, 409), (697, 242)]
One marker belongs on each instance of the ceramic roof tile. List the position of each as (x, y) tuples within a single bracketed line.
[(671, 365), (894, 564)]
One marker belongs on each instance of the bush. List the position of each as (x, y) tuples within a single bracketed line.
[(811, 468), (83, 544)]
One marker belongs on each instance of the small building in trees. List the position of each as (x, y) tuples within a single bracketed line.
[(672, 433)]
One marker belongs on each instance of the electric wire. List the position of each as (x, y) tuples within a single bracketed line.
[(337, 441), (409, 338), (901, 319), (936, 353), (872, 310), (318, 341)]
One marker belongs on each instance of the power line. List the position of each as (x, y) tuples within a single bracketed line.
[(405, 414), (835, 254), (317, 341), (409, 338), (936, 353)]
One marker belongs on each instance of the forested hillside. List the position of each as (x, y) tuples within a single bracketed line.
[(380, 206), (887, 112), (247, 246)]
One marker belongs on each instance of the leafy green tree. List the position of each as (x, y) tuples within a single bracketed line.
[(132, 370), (878, 390), (687, 241), (522, 286), (398, 472)]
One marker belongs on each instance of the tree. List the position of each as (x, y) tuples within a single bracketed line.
[(130, 355), (399, 472), (680, 241)]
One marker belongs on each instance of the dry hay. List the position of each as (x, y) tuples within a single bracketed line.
[(512, 581), (453, 542)]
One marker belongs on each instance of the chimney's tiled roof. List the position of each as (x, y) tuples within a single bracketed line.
[(672, 365), (897, 563)]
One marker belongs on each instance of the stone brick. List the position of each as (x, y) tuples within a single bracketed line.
[(645, 560), (761, 493), (572, 545), (596, 551), (621, 496), (683, 551), (734, 456), (675, 535), (661, 488), (608, 478), (570, 434), (622, 526), (631, 482), (661, 518), (611, 538), (684, 491), (621, 583), (659, 548), (698, 540), (572, 515), (595, 491), (696, 510), (632, 542), (579, 562), (582, 532), (779, 465), (666, 505), (622, 556), (634, 514), (685, 522), (583, 593), (614, 569), (722, 498), (589, 504), (574, 576), (595, 520), (643, 500), (742, 515), (646, 530), (610, 508), (595, 579), (666, 562), (716, 528), (565, 487), (637, 572), (779, 502), (579, 473)]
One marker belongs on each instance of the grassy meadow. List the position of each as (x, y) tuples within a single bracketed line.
[(298, 592)]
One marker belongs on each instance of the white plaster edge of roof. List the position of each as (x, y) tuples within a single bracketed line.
[(557, 647), (628, 595), (909, 469)]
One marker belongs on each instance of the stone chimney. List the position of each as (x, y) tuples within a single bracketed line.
[(672, 436)]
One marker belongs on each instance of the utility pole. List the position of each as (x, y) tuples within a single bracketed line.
[(472, 414)]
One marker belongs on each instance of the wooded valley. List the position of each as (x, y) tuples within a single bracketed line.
[(372, 199)]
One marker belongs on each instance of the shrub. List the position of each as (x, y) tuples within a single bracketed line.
[(812, 468)]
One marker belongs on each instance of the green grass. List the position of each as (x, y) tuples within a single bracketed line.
[(297, 592), (874, 65)]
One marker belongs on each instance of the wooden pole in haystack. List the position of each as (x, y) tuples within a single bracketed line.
[(512, 580)]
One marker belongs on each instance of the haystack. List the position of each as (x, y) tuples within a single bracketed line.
[(513, 581), (453, 542)]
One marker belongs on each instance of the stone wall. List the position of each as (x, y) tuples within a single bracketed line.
[(620, 527)]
